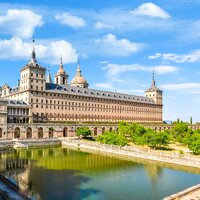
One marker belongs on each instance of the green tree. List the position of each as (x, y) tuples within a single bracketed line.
[(83, 131), (112, 138), (162, 138), (156, 139), (194, 144), (124, 128), (179, 131), (150, 138), (137, 131)]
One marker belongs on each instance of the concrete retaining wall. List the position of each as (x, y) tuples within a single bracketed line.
[(167, 157)]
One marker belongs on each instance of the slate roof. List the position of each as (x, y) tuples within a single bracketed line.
[(17, 103), (51, 87)]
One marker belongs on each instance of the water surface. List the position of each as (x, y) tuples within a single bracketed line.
[(64, 174)]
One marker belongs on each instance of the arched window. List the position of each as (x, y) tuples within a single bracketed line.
[(40, 132), (95, 131), (17, 133), (51, 130), (0, 132), (65, 132), (29, 133)]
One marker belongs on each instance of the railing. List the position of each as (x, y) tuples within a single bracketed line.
[(170, 157)]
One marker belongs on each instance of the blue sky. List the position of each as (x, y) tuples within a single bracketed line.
[(118, 43)]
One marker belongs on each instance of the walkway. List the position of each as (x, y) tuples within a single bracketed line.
[(192, 193)]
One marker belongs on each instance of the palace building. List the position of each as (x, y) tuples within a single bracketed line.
[(38, 99)]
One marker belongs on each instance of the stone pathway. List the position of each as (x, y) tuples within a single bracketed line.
[(192, 193), (195, 195)]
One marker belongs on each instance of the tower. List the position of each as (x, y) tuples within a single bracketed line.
[(154, 92), (32, 76), (79, 80), (61, 78)]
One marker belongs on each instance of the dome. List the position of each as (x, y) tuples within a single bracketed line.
[(79, 80)]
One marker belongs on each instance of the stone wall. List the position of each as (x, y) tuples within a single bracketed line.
[(167, 157), (56, 130)]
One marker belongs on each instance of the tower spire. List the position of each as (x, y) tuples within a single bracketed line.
[(33, 54), (61, 63), (78, 71), (153, 78), (49, 79)]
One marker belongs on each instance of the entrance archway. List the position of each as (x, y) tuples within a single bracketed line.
[(17, 132), (29, 133), (103, 130), (51, 132), (40, 132), (95, 131), (65, 132), (0, 132)]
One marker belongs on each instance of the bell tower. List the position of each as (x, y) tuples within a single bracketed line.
[(32, 77), (61, 77), (154, 92)]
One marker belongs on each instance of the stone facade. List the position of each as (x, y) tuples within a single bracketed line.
[(75, 102)]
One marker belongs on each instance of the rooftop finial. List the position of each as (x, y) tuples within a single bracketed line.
[(61, 60), (78, 63), (33, 39), (153, 78)]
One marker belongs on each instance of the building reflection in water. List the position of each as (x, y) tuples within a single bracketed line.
[(56, 173)]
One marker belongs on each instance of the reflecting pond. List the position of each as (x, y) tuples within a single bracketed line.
[(57, 173)]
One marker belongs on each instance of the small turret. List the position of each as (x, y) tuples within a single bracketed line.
[(49, 79), (154, 92), (61, 77)]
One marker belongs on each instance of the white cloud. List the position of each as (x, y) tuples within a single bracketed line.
[(181, 86), (127, 21), (184, 58), (105, 86), (20, 23), (100, 25), (157, 55), (70, 20), (110, 45), (150, 9), (104, 62), (16, 49), (115, 69)]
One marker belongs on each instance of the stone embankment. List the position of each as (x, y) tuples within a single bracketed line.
[(192, 193), (6, 144), (129, 151)]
